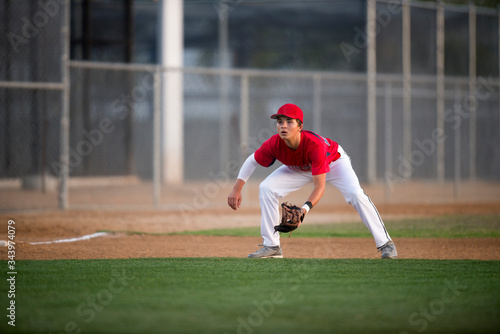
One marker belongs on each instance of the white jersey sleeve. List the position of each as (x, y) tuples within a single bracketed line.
[(248, 168)]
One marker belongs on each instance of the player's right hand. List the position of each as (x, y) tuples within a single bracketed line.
[(234, 199)]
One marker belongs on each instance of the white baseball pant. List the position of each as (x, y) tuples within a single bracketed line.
[(285, 180)]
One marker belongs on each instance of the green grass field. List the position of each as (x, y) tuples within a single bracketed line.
[(464, 226), (227, 295), (233, 295)]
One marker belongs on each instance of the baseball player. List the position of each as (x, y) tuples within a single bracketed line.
[(306, 157)]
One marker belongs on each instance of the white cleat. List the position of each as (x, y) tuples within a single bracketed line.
[(267, 252)]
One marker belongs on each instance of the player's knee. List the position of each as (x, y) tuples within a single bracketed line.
[(354, 196), (264, 187), (267, 190)]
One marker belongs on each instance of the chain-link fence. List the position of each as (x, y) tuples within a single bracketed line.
[(31, 98), (436, 118)]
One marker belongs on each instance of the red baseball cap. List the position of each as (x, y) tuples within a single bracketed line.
[(291, 111)]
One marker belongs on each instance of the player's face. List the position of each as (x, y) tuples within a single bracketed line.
[(288, 128)]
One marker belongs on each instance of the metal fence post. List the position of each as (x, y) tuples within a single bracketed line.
[(372, 90), (388, 136), (244, 117), (64, 141), (317, 102), (224, 86), (472, 105), (244, 125), (157, 137), (457, 148), (440, 88), (407, 81), (171, 47)]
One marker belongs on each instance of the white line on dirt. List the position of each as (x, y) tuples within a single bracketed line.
[(85, 237)]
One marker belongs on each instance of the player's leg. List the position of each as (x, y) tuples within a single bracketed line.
[(343, 177), (277, 185)]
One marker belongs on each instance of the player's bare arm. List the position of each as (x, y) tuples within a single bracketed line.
[(319, 182), (234, 199)]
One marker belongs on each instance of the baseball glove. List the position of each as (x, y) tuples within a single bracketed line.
[(291, 217)]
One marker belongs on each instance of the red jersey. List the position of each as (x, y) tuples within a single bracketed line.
[(315, 153)]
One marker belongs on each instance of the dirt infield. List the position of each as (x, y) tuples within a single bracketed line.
[(57, 225), (145, 246)]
